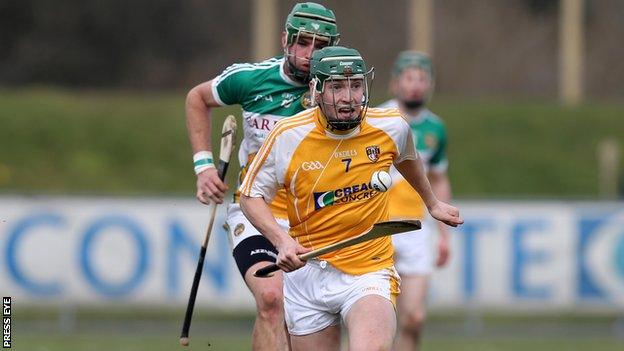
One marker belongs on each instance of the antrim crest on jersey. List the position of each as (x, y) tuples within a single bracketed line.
[(373, 153)]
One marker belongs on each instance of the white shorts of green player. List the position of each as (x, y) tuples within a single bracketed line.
[(248, 245), (413, 251)]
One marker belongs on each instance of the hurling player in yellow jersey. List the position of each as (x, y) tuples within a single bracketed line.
[(324, 158)]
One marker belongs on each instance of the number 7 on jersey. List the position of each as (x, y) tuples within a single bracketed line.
[(347, 162)]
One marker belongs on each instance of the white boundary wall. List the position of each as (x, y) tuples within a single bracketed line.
[(101, 251)]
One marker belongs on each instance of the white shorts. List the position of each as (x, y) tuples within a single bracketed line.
[(318, 295), (413, 252), (240, 228)]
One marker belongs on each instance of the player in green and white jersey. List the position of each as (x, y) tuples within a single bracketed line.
[(267, 92), (412, 85)]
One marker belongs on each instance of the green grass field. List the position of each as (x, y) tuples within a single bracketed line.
[(150, 331), (129, 143), (94, 342)]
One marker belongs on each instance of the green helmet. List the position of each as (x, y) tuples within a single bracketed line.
[(407, 59), (335, 61), (314, 19), (340, 63), (419, 60)]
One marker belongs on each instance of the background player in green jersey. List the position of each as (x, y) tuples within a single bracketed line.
[(267, 92), (412, 86)]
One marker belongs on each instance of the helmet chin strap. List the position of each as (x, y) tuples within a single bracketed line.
[(297, 74)]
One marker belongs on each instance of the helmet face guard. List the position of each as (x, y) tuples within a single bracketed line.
[(293, 60), (342, 68), (331, 108), (310, 20)]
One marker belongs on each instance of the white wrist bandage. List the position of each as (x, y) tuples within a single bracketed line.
[(202, 161)]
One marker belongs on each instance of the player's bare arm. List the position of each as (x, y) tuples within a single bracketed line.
[(199, 102), (413, 171), (259, 214)]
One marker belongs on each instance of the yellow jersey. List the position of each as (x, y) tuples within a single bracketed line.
[(326, 178)]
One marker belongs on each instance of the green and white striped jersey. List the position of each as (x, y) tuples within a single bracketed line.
[(266, 95), (429, 135)]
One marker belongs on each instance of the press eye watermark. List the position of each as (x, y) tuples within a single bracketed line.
[(6, 322)]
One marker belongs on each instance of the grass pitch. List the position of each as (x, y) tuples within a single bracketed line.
[(98, 342), (146, 330)]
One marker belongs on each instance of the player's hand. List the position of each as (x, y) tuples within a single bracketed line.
[(444, 251), (446, 213), (210, 187), (288, 256)]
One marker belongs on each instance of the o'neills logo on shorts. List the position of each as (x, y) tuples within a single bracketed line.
[(352, 193)]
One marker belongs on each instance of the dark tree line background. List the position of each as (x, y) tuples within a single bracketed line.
[(116, 43), (486, 47)]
